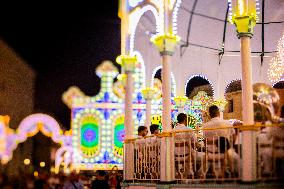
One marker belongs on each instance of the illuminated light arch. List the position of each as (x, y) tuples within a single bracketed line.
[(277, 82), (134, 19), (34, 123), (176, 5), (172, 79), (230, 83), (203, 77), (63, 155), (134, 3), (139, 77), (30, 126), (3, 138)]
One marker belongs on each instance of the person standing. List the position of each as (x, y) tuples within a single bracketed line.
[(100, 181), (73, 182)]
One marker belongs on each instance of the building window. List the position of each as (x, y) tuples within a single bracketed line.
[(231, 106)]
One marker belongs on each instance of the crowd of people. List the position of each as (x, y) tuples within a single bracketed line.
[(100, 180)]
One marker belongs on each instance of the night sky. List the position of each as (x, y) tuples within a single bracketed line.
[(63, 44)]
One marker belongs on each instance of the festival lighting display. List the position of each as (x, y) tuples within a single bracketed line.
[(244, 14), (203, 77), (276, 66), (98, 122), (28, 127)]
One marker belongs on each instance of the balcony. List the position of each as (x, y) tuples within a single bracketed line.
[(211, 161)]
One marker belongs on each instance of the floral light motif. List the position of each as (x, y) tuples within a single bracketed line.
[(275, 70), (203, 98), (221, 103), (276, 66)]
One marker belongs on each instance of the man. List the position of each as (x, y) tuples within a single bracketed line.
[(139, 152), (219, 136), (217, 122), (153, 150), (142, 131), (154, 129), (183, 147)]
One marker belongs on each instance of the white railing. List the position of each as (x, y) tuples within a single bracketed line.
[(198, 158), (147, 158)]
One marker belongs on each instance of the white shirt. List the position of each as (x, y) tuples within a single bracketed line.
[(218, 122), (153, 146), (211, 135), (183, 139)]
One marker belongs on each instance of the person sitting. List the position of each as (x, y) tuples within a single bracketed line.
[(142, 131), (184, 140), (219, 135), (153, 151), (154, 129), (276, 133), (140, 153)]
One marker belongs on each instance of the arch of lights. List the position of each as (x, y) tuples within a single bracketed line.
[(277, 82), (203, 77), (29, 127), (137, 8), (134, 19), (173, 81), (229, 84)]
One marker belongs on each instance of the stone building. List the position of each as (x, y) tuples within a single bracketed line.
[(16, 99)]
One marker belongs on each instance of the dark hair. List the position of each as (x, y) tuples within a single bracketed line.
[(101, 173), (213, 111), (141, 128), (153, 128), (181, 117)]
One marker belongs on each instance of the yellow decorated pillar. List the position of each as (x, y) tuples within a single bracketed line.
[(244, 17), (128, 63), (166, 44)]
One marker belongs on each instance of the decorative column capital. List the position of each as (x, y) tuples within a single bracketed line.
[(244, 15), (165, 43), (122, 78), (149, 93), (127, 62), (221, 103), (180, 101), (244, 26)]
